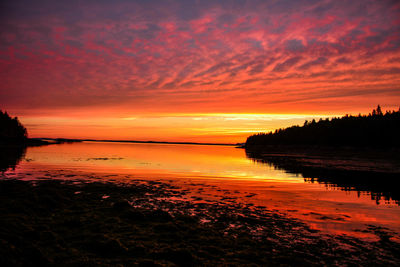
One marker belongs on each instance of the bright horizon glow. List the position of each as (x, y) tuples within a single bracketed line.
[(213, 127)]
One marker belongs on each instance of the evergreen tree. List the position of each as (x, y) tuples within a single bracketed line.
[(11, 130), (375, 129)]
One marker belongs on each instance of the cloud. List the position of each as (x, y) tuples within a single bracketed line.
[(294, 45), (287, 64), (311, 63), (147, 55)]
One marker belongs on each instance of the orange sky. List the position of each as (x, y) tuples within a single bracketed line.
[(222, 128), (194, 71)]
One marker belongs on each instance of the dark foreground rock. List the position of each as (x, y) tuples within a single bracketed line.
[(53, 223)]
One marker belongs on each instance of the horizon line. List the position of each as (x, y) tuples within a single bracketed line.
[(139, 141)]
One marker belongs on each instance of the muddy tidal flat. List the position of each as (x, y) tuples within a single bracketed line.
[(152, 223)]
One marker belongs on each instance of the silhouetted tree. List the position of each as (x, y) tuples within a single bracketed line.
[(379, 111), (375, 129), (11, 130)]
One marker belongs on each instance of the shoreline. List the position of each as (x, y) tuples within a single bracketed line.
[(33, 142), (147, 222), (65, 140)]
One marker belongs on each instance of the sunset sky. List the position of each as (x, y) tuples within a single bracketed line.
[(205, 71)]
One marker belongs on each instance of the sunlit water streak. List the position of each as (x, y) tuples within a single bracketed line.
[(214, 169)]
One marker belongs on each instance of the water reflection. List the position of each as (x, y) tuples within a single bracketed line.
[(10, 156), (209, 172), (202, 161), (379, 186)]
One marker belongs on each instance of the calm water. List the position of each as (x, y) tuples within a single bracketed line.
[(210, 170)]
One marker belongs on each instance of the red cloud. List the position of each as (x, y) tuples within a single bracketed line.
[(148, 57)]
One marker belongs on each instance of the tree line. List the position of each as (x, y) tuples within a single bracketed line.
[(11, 129), (377, 129)]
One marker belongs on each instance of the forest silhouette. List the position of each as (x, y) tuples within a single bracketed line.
[(376, 129), (13, 141), (11, 130)]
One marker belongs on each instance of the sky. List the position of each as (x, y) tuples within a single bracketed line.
[(205, 71)]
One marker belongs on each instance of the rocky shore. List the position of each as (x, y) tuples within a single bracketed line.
[(149, 223)]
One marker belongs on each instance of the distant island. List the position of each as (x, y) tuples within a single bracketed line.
[(156, 142), (376, 129), (13, 133)]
